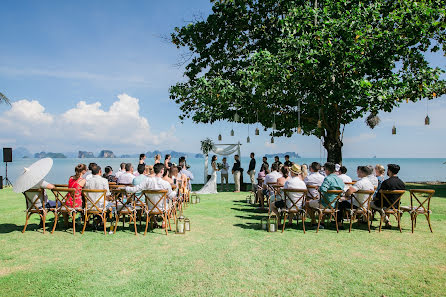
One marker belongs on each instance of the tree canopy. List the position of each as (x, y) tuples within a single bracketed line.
[(326, 62)]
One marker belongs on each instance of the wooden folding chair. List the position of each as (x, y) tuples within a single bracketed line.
[(363, 208), (329, 209), (156, 203), (295, 209), (416, 196), (312, 195), (62, 196), (32, 196), (61, 185), (125, 205), (392, 209), (95, 206)]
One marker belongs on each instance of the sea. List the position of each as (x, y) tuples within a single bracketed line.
[(412, 169)]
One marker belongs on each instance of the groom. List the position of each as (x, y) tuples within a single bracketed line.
[(236, 172)]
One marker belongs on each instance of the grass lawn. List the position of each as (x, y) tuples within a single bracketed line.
[(225, 254)]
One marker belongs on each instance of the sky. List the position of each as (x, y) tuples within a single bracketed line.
[(94, 75)]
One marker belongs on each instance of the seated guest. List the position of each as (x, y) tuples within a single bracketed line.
[(331, 182), (379, 172), (155, 183), (277, 161), (269, 178), (372, 176), (77, 182), (314, 179), (281, 182), (127, 177), (88, 174), (142, 159), (141, 177), (97, 182), (188, 174), (121, 171), (304, 168), (345, 178), (295, 182), (363, 184), (288, 163), (39, 203), (108, 175), (390, 184)]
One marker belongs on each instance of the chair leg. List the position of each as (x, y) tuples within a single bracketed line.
[(165, 223), (412, 219), (303, 222), (319, 222), (147, 223), (85, 222), (43, 222), (74, 222), (368, 221), (116, 223), (134, 223), (381, 221), (26, 221), (56, 217), (284, 222), (104, 221), (429, 222), (352, 217), (399, 222), (336, 222)]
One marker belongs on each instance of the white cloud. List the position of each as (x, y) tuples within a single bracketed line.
[(85, 126)]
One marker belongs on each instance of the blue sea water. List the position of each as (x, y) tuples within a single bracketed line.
[(415, 170)]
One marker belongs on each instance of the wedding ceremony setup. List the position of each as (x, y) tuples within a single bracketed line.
[(223, 148)]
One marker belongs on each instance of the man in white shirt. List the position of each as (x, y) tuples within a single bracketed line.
[(127, 177), (88, 174), (363, 184), (155, 183), (314, 179), (269, 178), (295, 182), (345, 178), (97, 182), (121, 170), (371, 176), (224, 174)]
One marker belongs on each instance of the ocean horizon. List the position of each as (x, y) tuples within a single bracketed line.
[(412, 169)]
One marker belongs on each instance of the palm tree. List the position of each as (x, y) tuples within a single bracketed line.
[(4, 99)]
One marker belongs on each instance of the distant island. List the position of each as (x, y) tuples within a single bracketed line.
[(83, 155), (282, 155), (106, 154), (49, 155)]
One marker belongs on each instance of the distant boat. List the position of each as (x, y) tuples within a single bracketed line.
[(374, 157)]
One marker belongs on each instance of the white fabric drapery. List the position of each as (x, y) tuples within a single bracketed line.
[(223, 150)]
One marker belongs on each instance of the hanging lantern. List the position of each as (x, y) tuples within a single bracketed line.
[(272, 223), (232, 132), (272, 139), (407, 100), (427, 121), (187, 224), (236, 117), (434, 95), (319, 124), (219, 137), (252, 199), (264, 223), (180, 226), (299, 130), (248, 140), (198, 199), (393, 130), (193, 198), (274, 125), (257, 132)]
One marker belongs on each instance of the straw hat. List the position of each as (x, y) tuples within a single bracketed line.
[(296, 169)]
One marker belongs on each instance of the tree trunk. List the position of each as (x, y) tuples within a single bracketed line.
[(333, 145)]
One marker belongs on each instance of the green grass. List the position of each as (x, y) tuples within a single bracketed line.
[(225, 254)]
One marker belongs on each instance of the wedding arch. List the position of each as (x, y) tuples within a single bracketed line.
[(219, 149)]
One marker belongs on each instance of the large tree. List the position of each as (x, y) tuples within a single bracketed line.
[(327, 62)]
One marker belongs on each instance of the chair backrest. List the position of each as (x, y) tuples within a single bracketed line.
[(365, 203), (329, 205), (125, 202), (111, 183), (94, 200), (61, 185), (415, 196), (62, 195), (312, 192), (156, 201), (35, 200), (300, 200), (391, 203), (260, 182)]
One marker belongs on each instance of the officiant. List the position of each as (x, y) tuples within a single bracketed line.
[(236, 171), (224, 174)]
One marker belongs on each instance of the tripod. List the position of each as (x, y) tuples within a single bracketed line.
[(6, 179)]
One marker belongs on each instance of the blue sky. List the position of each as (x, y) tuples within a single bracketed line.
[(95, 75)]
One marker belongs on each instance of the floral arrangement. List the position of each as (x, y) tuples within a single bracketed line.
[(220, 166), (206, 146)]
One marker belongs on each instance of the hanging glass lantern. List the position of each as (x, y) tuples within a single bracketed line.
[(264, 223), (427, 121), (299, 130), (319, 124), (248, 140), (180, 226), (232, 132), (393, 130), (272, 223), (257, 131), (219, 137), (272, 139), (236, 117), (252, 199), (187, 224), (198, 199), (193, 199), (274, 125)]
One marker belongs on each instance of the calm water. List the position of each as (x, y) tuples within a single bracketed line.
[(411, 169)]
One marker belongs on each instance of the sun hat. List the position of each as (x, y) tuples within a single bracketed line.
[(296, 169)]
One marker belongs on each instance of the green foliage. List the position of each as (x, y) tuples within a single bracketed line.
[(339, 59), (206, 145)]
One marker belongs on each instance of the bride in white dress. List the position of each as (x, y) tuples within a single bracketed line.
[(211, 186)]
